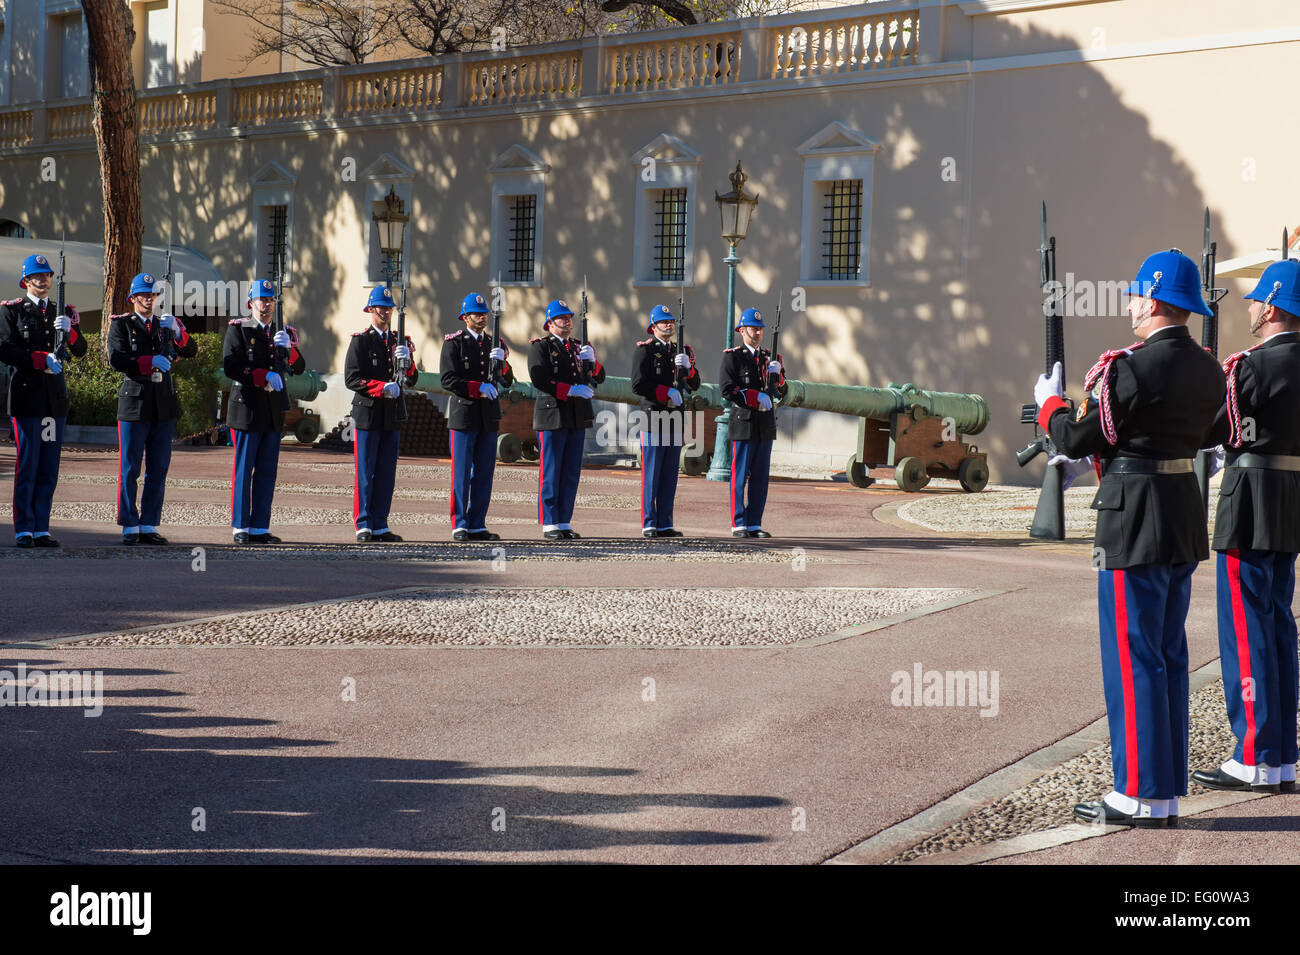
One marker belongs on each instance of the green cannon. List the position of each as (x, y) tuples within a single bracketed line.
[(304, 387)]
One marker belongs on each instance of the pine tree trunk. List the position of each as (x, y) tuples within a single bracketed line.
[(117, 137)]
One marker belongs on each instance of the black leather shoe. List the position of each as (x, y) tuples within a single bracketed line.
[(484, 536), (1287, 786), (669, 533), (1101, 813), (572, 535), (739, 532), (460, 534), (1171, 822), (24, 541), (388, 537), (1218, 779), (364, 537), (264, 539), (758, 533), (153, 538), (46, 541), (130, 540), (649, 532), (555, 535), (242, 537)]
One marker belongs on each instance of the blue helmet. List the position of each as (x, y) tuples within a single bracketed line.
[(751, 318), (142, 284), (382, 296), (260, 288), (660, 313), (1280, 286), (1172, 278), (474, 304), (555, 310), (35, 265)]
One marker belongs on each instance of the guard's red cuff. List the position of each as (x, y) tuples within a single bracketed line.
[(562, 390), (145, 363), (72, 337), (375, 388), (661, 394), (505, 369), (183, 338), (751, 398), (293, 355), (474, 387), (412, 373), (38, 360), (259, 377), (1050, 407), (597, 368)]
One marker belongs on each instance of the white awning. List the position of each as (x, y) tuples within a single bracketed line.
[(1250, 266)]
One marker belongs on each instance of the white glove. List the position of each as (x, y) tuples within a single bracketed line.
[(392, 389), (281, 339), (580, 391), (162, 363), (53, 365), (168, 322), (1216, 456), (774, 368), (586, 353), (764, 401), (273, 381), (1073, 468), (62, 324), (487, 390), (674, 397), (682, 361), (1048, 386), (497, 354), (401, 353)]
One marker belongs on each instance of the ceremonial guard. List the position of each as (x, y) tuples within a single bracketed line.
[(143, 347), (657, 370), (751, 378), (1149, 410), (34, 343), (1257, 537), (469, 358), (377, 411), (562, 413), (256, 412)]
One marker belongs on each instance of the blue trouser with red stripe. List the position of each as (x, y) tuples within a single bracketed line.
[(751, 461), (1257, 651), (473, 462), (660, 460), (375, 456), (149, 442), (558, 473), (36, 473), (1142, 612), (257, 455)]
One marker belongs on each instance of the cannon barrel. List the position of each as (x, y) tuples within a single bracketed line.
[(304, 387)]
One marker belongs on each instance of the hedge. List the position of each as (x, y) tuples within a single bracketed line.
[(92, 387)]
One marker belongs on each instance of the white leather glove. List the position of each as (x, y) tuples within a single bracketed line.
[(401, 353), (580, 391), (392, 389), (273, 381), (1048, 386), (53, 365), (586, 353), (487, 390), (162, 363), (497, 354), (674, 397), (774, 368), (682, 361), (168, 322), (1216, 456), (1073, 468), (282, 339), (764, 401), (62, 324)]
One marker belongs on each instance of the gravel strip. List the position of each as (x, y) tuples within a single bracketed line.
[(537, 617), (218, 515), (523, 474), (1048, 802)]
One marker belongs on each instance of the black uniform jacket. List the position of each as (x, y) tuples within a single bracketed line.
[(246, 356), (1259, 508), (464, 367), (26, 336), (654, 371), (743, 376), (132, 343), (367, 368), (1164, 396), (554, 367)]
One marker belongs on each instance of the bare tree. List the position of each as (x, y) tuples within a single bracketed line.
[(320, 32)]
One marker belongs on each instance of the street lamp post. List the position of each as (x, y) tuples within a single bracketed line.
[(392, 230), (736, 207)]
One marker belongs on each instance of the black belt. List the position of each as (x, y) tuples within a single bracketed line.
[(1149, 466), (1267, 462)]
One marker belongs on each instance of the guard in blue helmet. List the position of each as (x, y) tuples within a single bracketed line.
[(753, 380), (1257, 539), (565, 374), (370, 371), (1148, 409), (660, 375), (249, 358), (474, 368), (143, 346), (36, 339)]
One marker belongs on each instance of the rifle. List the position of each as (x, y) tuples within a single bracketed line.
[(281, 360), (582, 334), (494, 369), (776, 343), (1049, 516), (400, 366), (1286, 245), (1209, 337), (60, 340), (683, 374), (168, 337)]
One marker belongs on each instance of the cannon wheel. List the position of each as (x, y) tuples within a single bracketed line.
[(857, 474), (693, 465), (910, 474), (530, 449), (509, 448), (973, 474), (307, 430)]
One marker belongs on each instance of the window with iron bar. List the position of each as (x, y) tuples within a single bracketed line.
[(276, 219), (670, 235), (842, 230), (523, 237)]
